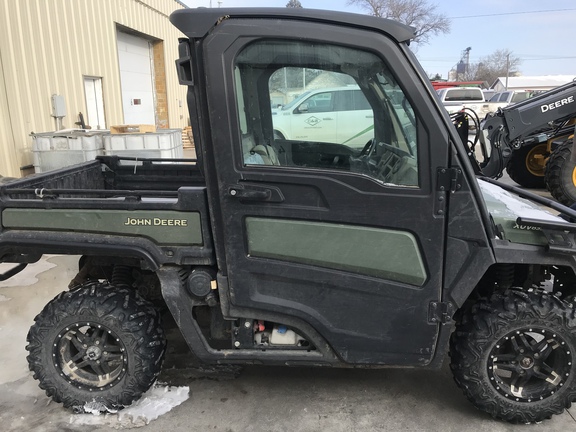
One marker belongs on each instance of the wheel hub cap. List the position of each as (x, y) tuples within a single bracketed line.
[(93, 353), (89, 356), (529, 364), (536, 160)]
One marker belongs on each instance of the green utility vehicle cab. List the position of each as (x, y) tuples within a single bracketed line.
[(300, 252)]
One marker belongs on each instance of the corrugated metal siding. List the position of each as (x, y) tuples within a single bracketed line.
[(48, 46), (7, 148)]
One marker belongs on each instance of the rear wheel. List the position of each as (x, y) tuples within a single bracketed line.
[(561, 174), (97, 347), (526, 167), (514, 356)]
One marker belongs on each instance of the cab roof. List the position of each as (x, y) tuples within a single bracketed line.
[(196, 23)]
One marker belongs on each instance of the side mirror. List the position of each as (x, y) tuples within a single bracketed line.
[(302, 108)]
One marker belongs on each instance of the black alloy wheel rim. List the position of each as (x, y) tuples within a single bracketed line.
[(530, 364), (90, 356)]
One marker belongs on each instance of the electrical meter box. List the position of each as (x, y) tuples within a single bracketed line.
[(58, 106)]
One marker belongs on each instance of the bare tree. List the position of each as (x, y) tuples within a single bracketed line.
[(471, 72), (294, 4), (416, 13), (489, 68)]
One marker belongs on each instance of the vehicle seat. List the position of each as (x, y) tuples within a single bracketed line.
[(258, 154), (267, 153)]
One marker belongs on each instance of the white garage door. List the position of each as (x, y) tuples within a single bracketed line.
[(134, 55)]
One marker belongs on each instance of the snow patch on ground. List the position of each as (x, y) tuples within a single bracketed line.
[(159, 401), (95, 408), (3, 298), (155, 402)]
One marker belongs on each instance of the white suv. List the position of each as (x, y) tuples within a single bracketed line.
[(337, 115)]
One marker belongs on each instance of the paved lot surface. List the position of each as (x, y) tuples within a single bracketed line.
[(258, 399)]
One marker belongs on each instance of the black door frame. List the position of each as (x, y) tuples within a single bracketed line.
[(410, 209)]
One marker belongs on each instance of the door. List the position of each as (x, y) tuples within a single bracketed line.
[(94, 102), (343, 236), (135, 62), (313, 119), (355, 119)]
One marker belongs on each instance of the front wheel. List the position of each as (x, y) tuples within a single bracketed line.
[(98, 345), (561, 174), (526, 166), (514, 356)]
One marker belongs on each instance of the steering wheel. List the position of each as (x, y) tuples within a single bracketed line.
[(367, 147)]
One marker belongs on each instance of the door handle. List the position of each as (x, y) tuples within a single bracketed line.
[(243, 193)]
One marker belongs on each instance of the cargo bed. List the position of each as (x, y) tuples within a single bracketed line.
[(154, 208)]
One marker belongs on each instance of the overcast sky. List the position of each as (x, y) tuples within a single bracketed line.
[(540, 38)]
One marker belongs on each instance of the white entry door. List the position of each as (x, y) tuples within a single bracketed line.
[(134, 56), (94, 103)]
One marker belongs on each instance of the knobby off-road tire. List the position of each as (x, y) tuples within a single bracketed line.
[(97, 345), (560, 174), (525, 167), (514, 355)]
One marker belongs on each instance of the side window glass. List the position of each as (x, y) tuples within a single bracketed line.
[(345, 101), (360, 101), (320, 102), (451, 95), (325, 107)]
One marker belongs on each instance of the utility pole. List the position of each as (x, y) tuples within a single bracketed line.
[(507, 69)]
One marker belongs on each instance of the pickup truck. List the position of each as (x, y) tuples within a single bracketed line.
[(456, 99), (503, 99), (300, 252)]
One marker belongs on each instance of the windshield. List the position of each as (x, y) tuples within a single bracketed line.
[(519, 97), (296, 101), (464, 95)]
